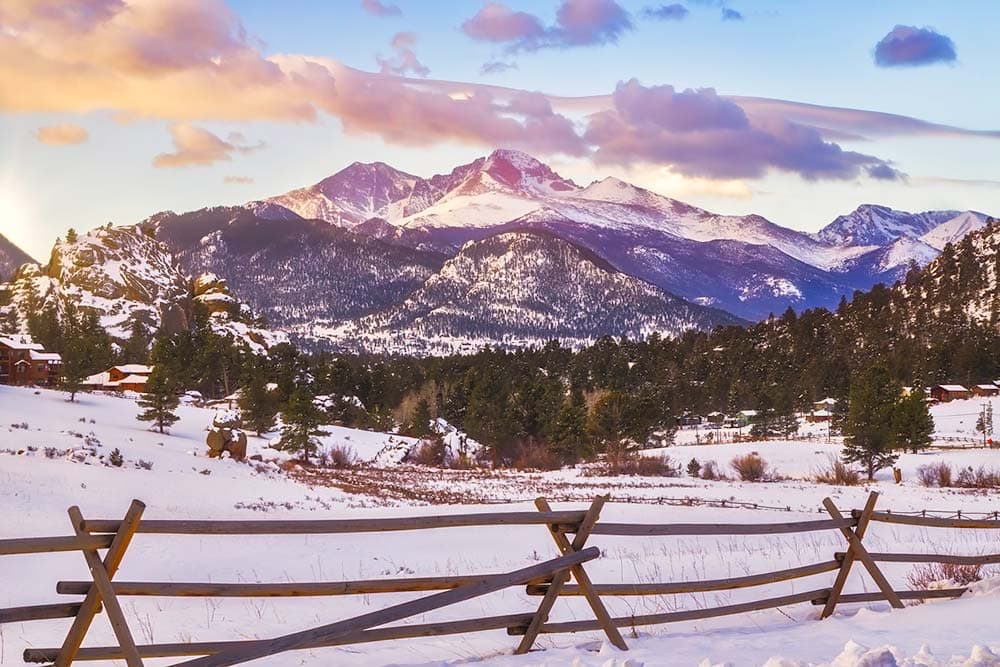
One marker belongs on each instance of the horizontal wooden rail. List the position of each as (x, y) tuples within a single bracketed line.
[(338, 526), (677, 616), (879, 596), (985, 559), (437, 629), (266, 590), (39, 545), (680, 529), (674, 588), (39, 612), (934, 522)]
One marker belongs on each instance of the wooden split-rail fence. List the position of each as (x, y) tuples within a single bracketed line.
[(549, 580)]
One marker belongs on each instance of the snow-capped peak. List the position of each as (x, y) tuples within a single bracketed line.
[(873, 225)]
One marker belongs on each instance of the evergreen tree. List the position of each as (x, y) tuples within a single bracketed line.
[(160, 399), (302, 421), (912, 424), (419, 425), (568, 432), (868, 427), (258, 401), (136, 348)]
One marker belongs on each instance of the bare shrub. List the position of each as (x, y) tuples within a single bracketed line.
[(837, 473), (534, 455), (978, 478), (338, 456), (430, 452), (923, 576), (710, 471), (635, 464), (751, 467), (938, 473)]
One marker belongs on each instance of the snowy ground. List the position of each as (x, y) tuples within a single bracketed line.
[(183, 483)]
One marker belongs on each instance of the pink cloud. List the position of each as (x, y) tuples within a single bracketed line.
[(195, 146), (405, 60), (578, 23), (378, 8), (64, 134)]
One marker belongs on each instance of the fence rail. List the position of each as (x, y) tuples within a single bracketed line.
[(548, 580)]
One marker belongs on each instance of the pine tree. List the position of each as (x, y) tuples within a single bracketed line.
[(868, 432), (160, 399), (912, 424), (302, 421), (568, 432), (258, 401), (419, 425)]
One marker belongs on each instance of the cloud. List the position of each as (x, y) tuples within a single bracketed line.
[(910, 46), (730, 14), (883, 172), (237, 180), (496, 67), (405, 61), (64, 134), (199, 147), (578, 23), (674, 12), (699, 133), (378, 8)]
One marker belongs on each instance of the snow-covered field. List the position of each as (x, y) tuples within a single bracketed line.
[(182, 482)]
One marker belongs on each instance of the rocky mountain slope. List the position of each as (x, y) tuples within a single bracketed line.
[(11, 258), (523, 288), (128, 278), (683, 249)]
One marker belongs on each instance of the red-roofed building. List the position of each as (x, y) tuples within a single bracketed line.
[(24, 362)]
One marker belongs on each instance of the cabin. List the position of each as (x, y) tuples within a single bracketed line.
[(689, 419), (25, 363), (819, 416), (942, 393), (126, 377), (745, 418), (985, 390), (827, 404), (715, 418)]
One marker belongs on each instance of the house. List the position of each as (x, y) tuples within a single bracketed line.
[(827, 404), (24, 362), (745, 418), (689, 419), (986, 390), (949, 392), (715, 418), (817, 416), (127, 377)]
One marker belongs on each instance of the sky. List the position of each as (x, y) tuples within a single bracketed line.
[(112, 110)]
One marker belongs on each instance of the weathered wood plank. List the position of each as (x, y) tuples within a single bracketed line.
[(437, 629), (860, 553), (560, 579), (39, 612), (676, 616), (337, 526), (878, 596), (38, 545), (951, 559), (935, 522), (112, 560), (847, 562), (298, 640), (267, 590), (675, 588), (680, 529)]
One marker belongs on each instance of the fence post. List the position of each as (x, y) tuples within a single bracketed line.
[(857, 551), (581, 576), (102, 572), (560, 579)]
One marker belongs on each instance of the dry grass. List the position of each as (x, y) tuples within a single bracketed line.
[(710, 471), (837, 473), (535, 456), (341, 457), (751, 468), (430, 452), (978, 478), (937, 474), (637, 465), (923, 576)]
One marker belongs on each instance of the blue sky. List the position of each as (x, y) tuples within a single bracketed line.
[(812, 52)]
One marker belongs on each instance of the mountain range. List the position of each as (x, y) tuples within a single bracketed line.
[(11, 258), (505, 251)]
